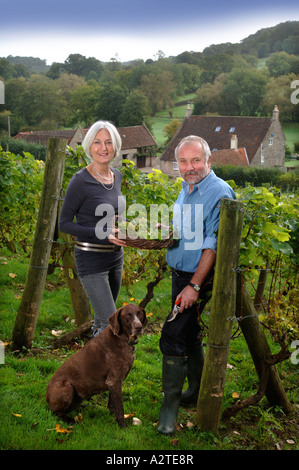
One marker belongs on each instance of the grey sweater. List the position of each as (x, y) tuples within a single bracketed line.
[(85, 195)]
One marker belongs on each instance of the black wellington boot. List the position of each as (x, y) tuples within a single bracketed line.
[(194, 366), (172, 383)]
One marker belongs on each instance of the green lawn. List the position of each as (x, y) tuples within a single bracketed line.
[(291, 131)]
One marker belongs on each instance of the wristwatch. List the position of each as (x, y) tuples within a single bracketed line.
[(195, 286)]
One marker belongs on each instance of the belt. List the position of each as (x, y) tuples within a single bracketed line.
[(181, 273), (96, 247)]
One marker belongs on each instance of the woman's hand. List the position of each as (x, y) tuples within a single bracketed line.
[(116, 241)]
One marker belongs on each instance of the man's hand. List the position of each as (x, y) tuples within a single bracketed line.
[(188, 297)]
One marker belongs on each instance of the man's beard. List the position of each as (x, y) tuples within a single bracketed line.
[(200, 176)]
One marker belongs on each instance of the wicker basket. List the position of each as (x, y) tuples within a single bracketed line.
[(144, 244)]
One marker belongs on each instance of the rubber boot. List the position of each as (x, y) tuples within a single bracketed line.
[(172, 383), (194, 366)]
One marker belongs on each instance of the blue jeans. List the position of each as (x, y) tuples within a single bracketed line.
[(102, 290)]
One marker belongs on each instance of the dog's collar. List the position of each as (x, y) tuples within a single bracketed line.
[(132, 342)]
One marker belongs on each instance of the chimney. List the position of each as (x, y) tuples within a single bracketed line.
[(275, 115), (188, 110), (234, 142)]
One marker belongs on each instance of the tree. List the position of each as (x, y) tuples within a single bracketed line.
[(282, 63), (171, 129), (42, 103), (135, 109), (278, 91), (209, 97), (82, 66), (84, 101), (213, 65), (243, 92), (111, 102), (7, 71), (158, 88)]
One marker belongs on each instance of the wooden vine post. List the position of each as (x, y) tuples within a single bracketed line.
[(26, 319), (222, 309)]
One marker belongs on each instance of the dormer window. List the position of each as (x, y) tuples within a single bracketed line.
[(232, 129), (218, 128)]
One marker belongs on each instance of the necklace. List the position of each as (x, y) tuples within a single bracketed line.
[(107, 179), (101, 176)]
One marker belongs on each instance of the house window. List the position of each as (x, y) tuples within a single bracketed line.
[(262, 159), (232, 129), (271, 141), (218, 128), (175, 166)]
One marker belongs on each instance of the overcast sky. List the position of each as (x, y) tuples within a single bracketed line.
[(131, 29)]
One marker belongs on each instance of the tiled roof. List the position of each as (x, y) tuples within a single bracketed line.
[(43, 136), (136, 137), (230, 157), (218, 130)]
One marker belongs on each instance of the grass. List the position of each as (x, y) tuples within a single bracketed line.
[(291, 131), (28, 424)]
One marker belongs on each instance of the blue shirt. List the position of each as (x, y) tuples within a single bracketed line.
[(196, 221)]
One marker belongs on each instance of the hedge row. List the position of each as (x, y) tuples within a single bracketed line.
[(19, 146), (257, 176)]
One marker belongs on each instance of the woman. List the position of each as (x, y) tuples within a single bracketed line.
[(93, 198)]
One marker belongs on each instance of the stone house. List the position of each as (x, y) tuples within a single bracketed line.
[(138, 144), (262, 140)]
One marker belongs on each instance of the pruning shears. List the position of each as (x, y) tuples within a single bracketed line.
[(175, 311)]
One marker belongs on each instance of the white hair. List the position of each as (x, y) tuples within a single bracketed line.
[(190, 139), (92, 132)]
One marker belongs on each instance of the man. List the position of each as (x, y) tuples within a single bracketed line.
[(192, 259)]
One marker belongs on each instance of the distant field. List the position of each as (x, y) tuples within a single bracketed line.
[(291, 131)]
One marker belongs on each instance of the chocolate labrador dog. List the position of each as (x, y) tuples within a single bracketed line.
[(102, 364)]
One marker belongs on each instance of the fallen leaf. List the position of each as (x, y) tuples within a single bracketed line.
[(12, 275), (58, 428), (174, 442), (79, 418), (229, 366), (235, 395), (136, 422), (290, 441), (56, 332), (17, 415), (279, 445), (189, 424), (130, 415)]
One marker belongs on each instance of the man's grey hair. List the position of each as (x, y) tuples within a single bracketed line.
[(92, 132), (190, 139)]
